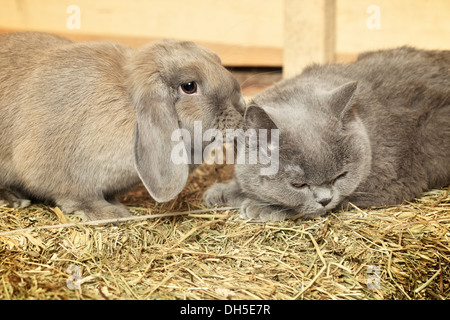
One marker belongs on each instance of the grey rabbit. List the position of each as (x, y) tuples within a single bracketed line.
[(83, 122), (373, 132)]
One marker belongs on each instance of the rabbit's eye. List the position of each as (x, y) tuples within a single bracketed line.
[(189, 88), (299, 185)]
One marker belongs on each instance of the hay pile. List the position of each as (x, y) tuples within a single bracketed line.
[(400, 252)]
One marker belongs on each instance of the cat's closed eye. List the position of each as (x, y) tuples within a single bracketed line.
[(342, 175)]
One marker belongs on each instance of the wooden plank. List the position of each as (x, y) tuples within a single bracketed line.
[(231, 55), (248, 23), (364, 25), (309, 34), (241, 32)]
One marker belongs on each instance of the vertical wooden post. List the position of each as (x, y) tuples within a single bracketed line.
[(309, 34)]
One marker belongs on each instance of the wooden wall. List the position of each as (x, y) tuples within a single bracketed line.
[(246, 33), (288, 33)]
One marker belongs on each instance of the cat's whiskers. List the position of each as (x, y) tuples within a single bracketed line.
[(279, 208), (265, 204)]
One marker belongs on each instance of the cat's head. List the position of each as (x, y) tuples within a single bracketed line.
[(324, 151)]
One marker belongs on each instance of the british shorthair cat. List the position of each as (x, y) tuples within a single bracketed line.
[(373, 132)]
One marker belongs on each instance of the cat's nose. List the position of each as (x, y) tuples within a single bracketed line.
[(324, 201)]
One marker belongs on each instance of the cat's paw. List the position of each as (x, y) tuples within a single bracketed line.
[(224, 194), (215, 195), (258, 211)]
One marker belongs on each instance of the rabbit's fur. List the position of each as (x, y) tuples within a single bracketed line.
[(374, 132), (82, 122)]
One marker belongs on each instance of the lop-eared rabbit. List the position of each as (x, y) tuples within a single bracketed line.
[(83, 122)]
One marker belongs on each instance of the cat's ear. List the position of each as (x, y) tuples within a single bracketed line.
[(342, 101), (256, 118)]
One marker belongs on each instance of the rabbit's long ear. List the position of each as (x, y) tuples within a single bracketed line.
[(156, 122)]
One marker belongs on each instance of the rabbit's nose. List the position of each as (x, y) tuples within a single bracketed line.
[(240, 107)]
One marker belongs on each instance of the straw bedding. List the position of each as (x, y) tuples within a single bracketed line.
[(398, 252)]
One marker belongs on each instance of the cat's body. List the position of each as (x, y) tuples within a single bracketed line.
[(374, 132)]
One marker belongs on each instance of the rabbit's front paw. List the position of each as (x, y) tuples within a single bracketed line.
[(107, 212), (215, 195), (94, 210), (258, 211), (12, 199)]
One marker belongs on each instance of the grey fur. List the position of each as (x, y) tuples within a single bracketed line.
[(374, 132), (82, 122)]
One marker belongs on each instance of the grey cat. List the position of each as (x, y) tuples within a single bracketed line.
[(374, 132)]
